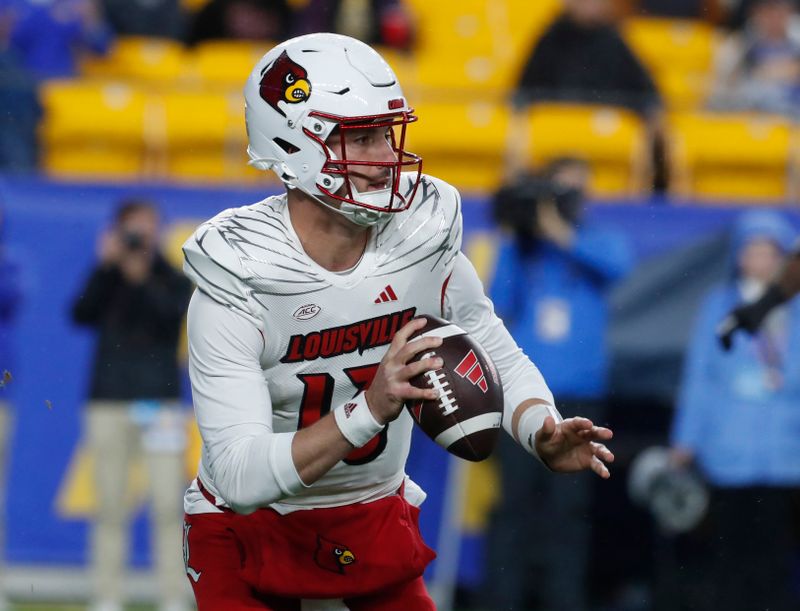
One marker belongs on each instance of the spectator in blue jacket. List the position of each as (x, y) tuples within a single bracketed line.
[(738, 420), (9, 301), (49, 36), (20, 110), (550, 287)]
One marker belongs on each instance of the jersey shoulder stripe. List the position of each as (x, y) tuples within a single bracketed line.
[(244, 253), (243, 256), (428, 232)]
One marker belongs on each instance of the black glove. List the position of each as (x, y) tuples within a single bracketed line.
[(749, 317)]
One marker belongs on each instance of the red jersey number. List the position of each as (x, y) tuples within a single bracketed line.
[(317, 399)]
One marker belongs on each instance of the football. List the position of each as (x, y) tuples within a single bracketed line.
[(466, 418)]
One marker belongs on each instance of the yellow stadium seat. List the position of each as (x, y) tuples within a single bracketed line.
[(139, 58), (461, 143), (676, 44), (732, 156), (683, 90), (204, 136), (225, 63), (613, 141), (679, 54), (93, 129), (476, 47)]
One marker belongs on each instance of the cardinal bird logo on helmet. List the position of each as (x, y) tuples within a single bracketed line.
[(333, 556), (284, 81)]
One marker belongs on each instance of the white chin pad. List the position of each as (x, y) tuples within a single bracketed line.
[(379, 198), (366, 216)]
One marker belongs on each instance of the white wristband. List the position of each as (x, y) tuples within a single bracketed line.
[(355, 421), (529, 424)]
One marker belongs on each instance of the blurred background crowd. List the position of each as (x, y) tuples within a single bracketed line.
[(630, 173)]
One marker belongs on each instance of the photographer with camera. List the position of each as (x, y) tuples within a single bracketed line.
[(736, 422), (136, 302), (550, 287)]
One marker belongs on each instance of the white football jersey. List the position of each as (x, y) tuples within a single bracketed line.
[(325, 332), (315, 337)]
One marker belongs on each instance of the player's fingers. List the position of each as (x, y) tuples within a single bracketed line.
[(407, 392), (577, 425), (598, 467), (401, 337), (602, 452), (414, 369), (414, 347), (596, 433)]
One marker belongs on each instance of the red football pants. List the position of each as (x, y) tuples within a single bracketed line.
[(369, 555)]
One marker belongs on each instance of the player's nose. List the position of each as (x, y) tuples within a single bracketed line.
[(383, 151)]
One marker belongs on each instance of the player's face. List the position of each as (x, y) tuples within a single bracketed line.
[(367, 144), (760, 260)]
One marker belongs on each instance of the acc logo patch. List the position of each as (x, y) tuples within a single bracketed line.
[(307, 311), (333, 556), (284, 81)]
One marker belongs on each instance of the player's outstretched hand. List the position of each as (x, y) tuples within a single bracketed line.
[(574, 445), (390, 387)]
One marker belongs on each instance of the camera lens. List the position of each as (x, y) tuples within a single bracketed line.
[(132, 240)]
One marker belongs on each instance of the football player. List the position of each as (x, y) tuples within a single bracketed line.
[(750, 316), (299, 348)]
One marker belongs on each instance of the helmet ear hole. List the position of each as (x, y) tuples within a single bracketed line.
[(287, 147)]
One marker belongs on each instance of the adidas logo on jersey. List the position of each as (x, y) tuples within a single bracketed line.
[(387, 294), (470, 368)]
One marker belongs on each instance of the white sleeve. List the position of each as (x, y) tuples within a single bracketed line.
[(250, 466), (466, 304)]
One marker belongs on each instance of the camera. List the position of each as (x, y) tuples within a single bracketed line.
[(515, 205), (676, 497), (132, 240)]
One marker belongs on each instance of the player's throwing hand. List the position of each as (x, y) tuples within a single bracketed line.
[(390, 388), (574, 445)]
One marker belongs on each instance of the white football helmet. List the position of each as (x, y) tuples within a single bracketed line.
[(305, 88)]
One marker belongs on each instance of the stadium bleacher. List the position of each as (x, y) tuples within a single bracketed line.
[(169, 112)]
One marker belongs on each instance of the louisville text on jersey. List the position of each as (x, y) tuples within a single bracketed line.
[(361, 335)]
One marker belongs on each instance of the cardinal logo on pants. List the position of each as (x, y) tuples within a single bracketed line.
[(333, 556)]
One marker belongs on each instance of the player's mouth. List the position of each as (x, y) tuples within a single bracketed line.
[(378, 185), (371, 183)]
